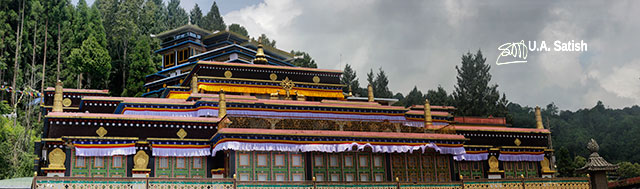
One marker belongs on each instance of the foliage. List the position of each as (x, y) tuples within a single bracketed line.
[(265, 40), (628, 170), (380, 84), (350, 79), (439, 97), (473, 94), (237, 28), (302, 59), (176, 15), (141, 65), (213, 21), (93, 61), (196, 15)]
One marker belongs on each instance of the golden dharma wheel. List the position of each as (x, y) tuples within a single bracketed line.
[(66, 102)]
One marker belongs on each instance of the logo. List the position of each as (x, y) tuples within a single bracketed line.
[(517, 52)]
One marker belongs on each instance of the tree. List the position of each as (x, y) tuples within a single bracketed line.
[(141, 66), (176, 15), (473, 94), (628, 170), (302, 59), (439, 97), (265, 40), (350, 79), (93, 61), (237, 28), (415, 97), (213, 21), (564, 163), (196, 16), (381, 88)]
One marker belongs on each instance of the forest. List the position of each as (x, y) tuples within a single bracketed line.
[(108, 45)]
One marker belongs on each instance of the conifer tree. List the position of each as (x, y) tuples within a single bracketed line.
[(474, 95), (237, 28), (302, 59), (213, 21), (176, 15), (196, 16)]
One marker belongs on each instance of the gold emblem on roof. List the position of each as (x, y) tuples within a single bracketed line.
[(66, 102), (181, 133), (140, 160), (101, 132), (228, 74), (287, 85), (517, 142), (56, 158), (273, 77), (316, 79)]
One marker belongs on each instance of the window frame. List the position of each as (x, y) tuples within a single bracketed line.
[(184, 162)]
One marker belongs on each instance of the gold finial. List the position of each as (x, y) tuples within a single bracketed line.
[(101, 132), (397, 179), (260, 57), (194, 84), (313, 179), (222, 104), (181, 133), (57, 97), (350, 91), (370, 92), (287, 85), (234, 176), (427, 114), (538, 119)]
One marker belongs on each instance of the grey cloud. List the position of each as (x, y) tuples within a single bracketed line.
[(420, 43)]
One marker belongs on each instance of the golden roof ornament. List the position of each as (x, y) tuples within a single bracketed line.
[(222, 104), (427, 114), (181, 133), (57, 97), (57, 158), (101, 132), (370, 92), (194, 84), (538, 118), (260, 57), (287, 85), (140, 160)]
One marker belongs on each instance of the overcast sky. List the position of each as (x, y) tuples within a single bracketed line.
[(420, 42)]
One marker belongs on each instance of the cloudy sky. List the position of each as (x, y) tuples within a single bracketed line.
[(419, 43)]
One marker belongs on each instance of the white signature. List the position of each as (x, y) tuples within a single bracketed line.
[(516, 50)]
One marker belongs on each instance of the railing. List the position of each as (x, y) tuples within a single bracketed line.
[(208, 183)]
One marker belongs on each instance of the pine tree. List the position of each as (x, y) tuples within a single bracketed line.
[(473, 94), (415, 97), (141, 66), (213, 21), (439, 97), (237, 28), (381, 88), (176, 15), (196, 15), (350, 79), (302, 59)]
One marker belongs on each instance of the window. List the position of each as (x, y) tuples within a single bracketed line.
[(180, 163), (262, 160), (364, 177), (262, 177), (169, 60), (318, 161), (164, 162), (79, 161), (348, 161), (296, 160), (116, 162), (319, 177), (244, 159), (297, 177), (377, 161), (183, 55), (244, 177), (197, 163), (335, 177), (333, 160), (279, 160), (363, 161), (379, 178), (98, 161), (279, 177), (348, 177)]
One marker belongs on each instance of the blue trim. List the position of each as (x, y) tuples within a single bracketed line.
[(175, 67), (227, 42), (151, 92), (182, 43), (242, 47)]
